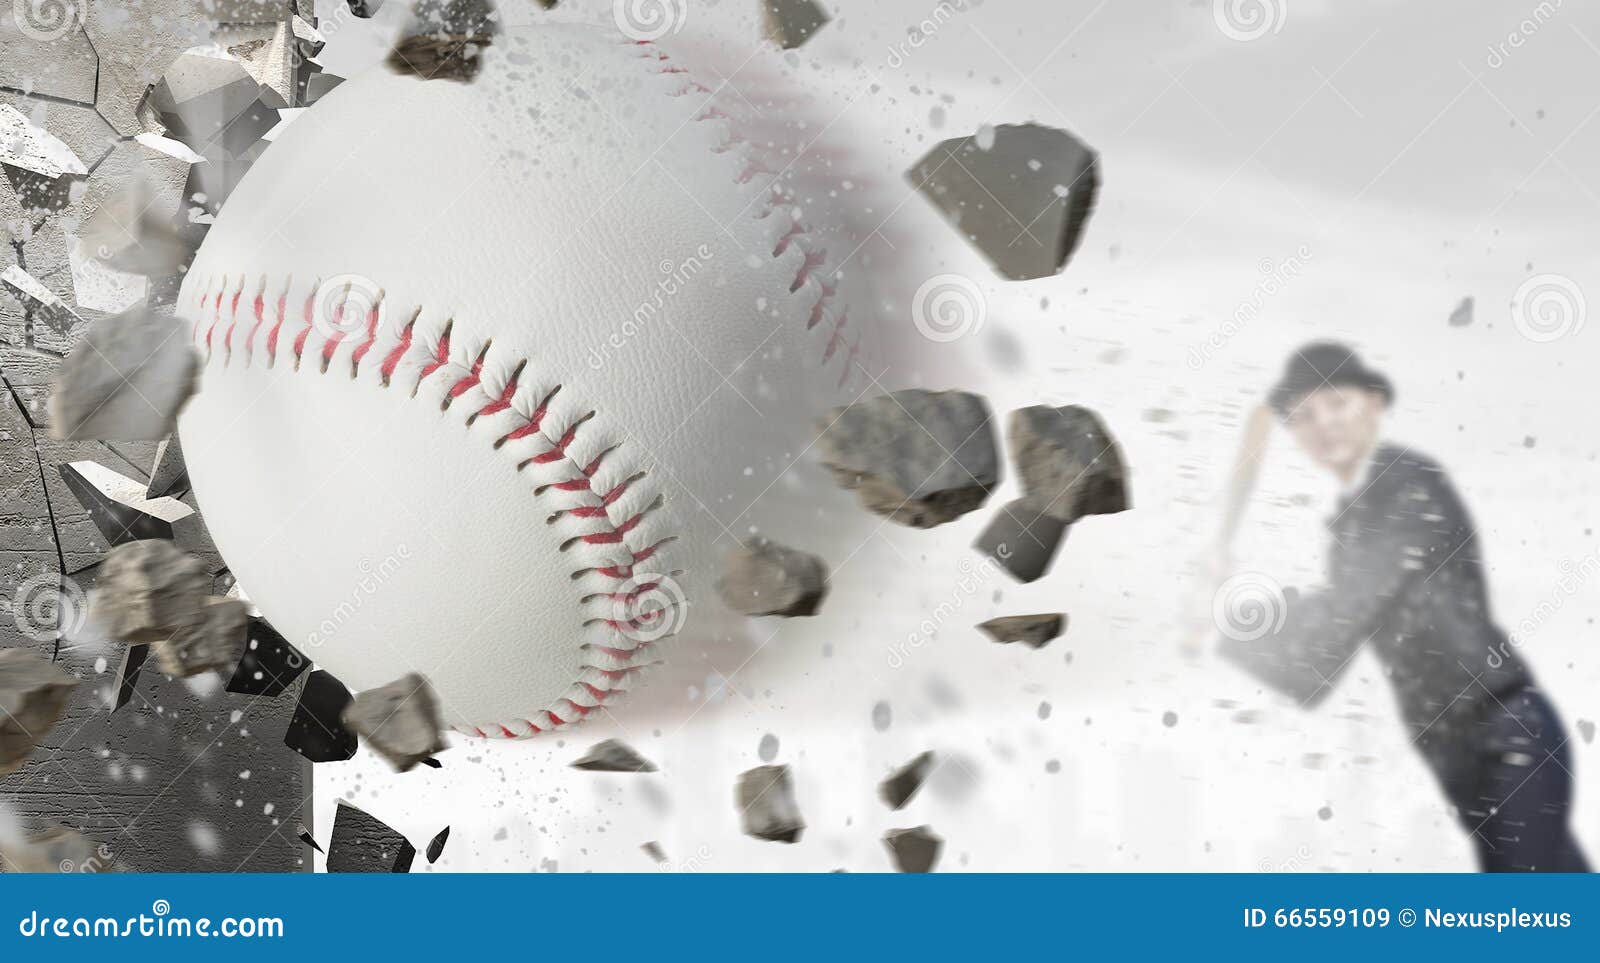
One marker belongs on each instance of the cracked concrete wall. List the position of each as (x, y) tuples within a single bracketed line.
[(185, 776)]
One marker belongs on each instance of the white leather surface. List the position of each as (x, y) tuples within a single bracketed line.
[(534, 212)]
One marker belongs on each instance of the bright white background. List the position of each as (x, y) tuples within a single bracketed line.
[(1407, 160)]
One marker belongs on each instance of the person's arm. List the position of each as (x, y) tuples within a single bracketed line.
[(1320, 632)]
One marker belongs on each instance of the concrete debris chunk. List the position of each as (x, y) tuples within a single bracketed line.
[(269, 664), (127, 680), (307, 838), (654, 851), (767, 806), (400, 721), (119, 506), (436, 845), (1035, 630), (363, 843), (168, 477), (1022, 538), (147, 591), (904, 782), (445, 39), (1067, 459), (920, 458), (213, 639), (1461, 317), (33, 694), (133, 232), (127, 381), (614, 755), (56, 850), (762, 577), (913, 850), (28, 147), (1021, 194), (790, 23), (205, 93), (317, 730), (40, 301)]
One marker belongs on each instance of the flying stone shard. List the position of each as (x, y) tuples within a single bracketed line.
[(127, 680), (363, 843), (120, 507), (147, 590), (767, 807), (903, 783), (444, 38), (1020, 193), (40, 300), (1023, 538), (169, 477), (436, 845), (33, 694), (1067, 458), (269, 664), (127, 381), (213, 639), (1035, 630), (317, 730), (913, 850), (762, 577), (613, 755), (400, 721), (790, 23), (28, 147), (920, 458)]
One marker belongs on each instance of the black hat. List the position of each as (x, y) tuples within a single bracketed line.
[(1324, 363)]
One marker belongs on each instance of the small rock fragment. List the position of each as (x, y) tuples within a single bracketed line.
[(269, 663), (920, 458), (33, 694), (913, 850), (766, 805), (133, 656), (126, 381), (147, 590), (399, 720), (213, 639), (1586, 730), (436, 845), (1022, 200), (28, 147), (762, 577), (882, 716), (317, 729), (767, 750), (169, 478), (898, 789), (307, 838), (790, 23), (1036, 630), (121, 507), (654, 851), (1461, 317), (445, 40), (363, 843), (131, 233), (614, 755), (1067, 459), (1023, 538)]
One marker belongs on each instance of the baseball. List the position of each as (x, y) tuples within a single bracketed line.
[(494, 372)]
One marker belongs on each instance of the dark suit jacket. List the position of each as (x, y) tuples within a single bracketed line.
[(1405, 576)]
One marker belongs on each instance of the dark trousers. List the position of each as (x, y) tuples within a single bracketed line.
[(1517, 807)]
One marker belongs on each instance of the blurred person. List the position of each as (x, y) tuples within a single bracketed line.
[(1406, 576)]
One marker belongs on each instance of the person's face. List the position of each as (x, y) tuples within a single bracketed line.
[(1336, 425)]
